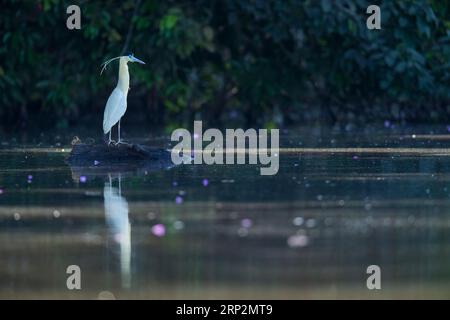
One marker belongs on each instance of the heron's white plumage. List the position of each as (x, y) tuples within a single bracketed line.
[(117, 101), (115, 109)]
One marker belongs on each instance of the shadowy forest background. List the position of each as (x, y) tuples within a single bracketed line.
[(246, 62)]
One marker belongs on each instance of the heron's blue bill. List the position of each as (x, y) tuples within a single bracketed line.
[(134, 59)]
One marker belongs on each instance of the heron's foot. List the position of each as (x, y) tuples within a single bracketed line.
[(119, 142), (110, 142)]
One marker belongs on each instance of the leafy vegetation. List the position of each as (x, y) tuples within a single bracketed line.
[(251, 61)]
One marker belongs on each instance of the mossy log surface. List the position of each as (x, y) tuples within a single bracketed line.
[(98, 159), (98, 154)]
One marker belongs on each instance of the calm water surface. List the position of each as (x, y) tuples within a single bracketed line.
[(225, 231)]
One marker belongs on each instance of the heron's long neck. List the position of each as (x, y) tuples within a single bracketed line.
[(124, 77)]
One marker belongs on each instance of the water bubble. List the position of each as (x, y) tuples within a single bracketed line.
[(205, 182), (178, 200), (178, 225), (106, 295), (297, 221), (243, 232), (56, 214), (310, 223), (16, 216), (297, 241), (83, 179)]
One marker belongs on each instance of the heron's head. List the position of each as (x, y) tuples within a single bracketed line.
[(132, 58)]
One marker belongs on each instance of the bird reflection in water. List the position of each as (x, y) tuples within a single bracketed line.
[(116, 214)]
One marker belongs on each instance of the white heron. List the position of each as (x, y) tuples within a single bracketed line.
[(117, 101)]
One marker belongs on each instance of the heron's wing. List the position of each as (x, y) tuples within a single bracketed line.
[(114, 110)]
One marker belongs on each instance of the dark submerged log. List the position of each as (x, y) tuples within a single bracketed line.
[(101, 159), (87, 154)]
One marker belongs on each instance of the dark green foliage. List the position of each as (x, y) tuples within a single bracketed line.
[(251, 61)]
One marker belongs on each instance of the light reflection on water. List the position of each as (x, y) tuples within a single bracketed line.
[(225, 231)]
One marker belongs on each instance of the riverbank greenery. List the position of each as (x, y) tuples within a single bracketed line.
[(251, 62)]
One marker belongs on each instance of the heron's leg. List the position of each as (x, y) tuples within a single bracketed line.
[(110, 140), (118, 139)]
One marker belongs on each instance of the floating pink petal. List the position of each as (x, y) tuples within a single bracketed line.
[(159, 230), (246, 223)]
